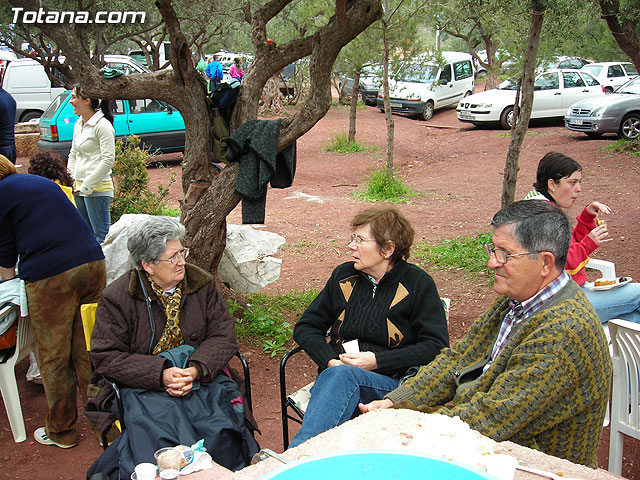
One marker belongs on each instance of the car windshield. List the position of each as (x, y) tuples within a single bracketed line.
[(632, 87), (592, 69), (138, 64), (414, 72), (508, 85), (55, 104)]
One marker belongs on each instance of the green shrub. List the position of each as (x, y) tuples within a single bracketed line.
[(382, 186), (341, 144), (131, 181), (267, 319)]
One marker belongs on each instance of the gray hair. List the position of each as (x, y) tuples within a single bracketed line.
[(149, 240), (538, 226)]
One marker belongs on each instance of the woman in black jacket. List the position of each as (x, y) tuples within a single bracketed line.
[(384, 316)]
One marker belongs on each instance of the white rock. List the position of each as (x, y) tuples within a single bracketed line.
[(115, 245), (246, 265)]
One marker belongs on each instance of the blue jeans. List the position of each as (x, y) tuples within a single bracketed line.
[(621, 302), (97, 213), (335, 397)]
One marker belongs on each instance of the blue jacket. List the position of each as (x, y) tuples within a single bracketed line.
[(41, 225), (214, 70)]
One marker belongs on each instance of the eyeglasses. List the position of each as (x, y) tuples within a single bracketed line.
[(184, 253), (501, 256), (359, 240)]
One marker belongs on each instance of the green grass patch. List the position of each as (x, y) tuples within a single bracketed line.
[(465, 253), (299, 247), (380, 186), (341, 144), (629, 147), (171, 212), (267, 320)]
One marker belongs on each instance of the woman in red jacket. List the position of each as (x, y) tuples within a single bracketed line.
[(558, 180)]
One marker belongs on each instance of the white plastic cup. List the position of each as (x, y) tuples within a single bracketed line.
[(169, 474), (145, 471)]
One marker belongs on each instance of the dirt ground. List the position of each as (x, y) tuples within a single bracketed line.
[(456, 167)]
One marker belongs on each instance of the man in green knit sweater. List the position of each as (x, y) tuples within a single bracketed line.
[(534, 368)]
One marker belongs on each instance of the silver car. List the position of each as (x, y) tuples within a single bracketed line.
[(618, 112), (370, 83)]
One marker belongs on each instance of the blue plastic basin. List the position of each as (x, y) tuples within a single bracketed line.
[(376, 465)]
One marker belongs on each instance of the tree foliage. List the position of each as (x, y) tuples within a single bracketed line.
[(623, 19), (208, 195)]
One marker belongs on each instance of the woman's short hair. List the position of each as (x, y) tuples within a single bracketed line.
[(6, 167), (554, 166), (387, 224), (50, 165), (149, 239)]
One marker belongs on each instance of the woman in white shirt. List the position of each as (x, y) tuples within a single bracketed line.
[(91, 159)]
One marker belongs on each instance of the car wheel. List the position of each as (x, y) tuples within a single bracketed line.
[(608, 90), (381, 109), (466, 94), (593, 134), (26, 116), (630, 127), (428, 111), (506, 118)]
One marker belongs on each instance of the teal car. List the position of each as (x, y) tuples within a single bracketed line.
[(159, 125)]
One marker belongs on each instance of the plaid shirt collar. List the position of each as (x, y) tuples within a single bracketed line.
[(521, 310)]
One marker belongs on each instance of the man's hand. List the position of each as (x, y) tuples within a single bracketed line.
[(364, 360), (333, 363), (375, 405), (179, 381)]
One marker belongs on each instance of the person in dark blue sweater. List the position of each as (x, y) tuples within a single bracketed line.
[(63, 267), (389, 308), (7, 127)]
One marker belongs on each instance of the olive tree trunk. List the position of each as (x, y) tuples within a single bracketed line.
[(521, 118)]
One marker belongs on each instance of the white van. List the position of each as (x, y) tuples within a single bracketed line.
[(421, 86), (26, 80)]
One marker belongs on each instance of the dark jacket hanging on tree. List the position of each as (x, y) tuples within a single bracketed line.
[(254, 145)]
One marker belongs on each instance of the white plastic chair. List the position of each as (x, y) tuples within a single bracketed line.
[(625, 407), (608, 269), (8, 383)]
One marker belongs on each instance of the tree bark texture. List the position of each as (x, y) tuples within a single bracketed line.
[(522, 120), (624, 28), (354, 107), (388, 116)]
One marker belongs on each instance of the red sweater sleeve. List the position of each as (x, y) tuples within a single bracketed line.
[(581, 246)]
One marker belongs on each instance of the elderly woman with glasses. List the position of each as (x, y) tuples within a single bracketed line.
[(384, 317), (164, 335)]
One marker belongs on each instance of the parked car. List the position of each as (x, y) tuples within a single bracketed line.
[(618, 112), (572, 62), (26, 80), (370, 83), (159, 125), (554, 92), (611, 74), (421, 86)]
